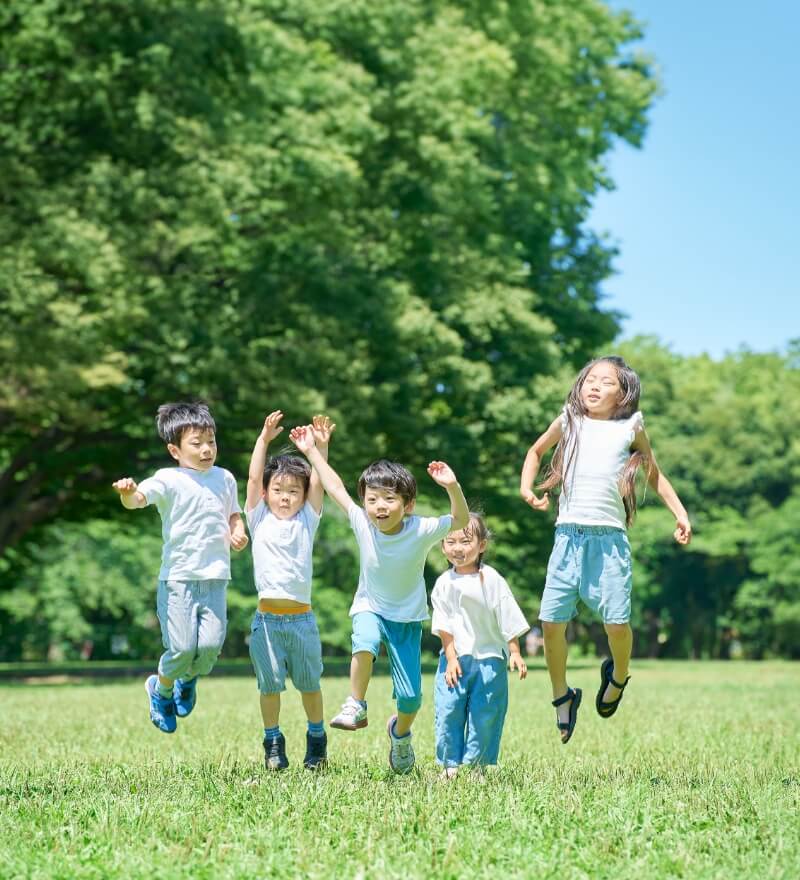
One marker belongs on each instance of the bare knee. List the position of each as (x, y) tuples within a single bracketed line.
[(551, 630), (617, 630)]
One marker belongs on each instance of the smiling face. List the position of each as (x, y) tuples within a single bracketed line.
[(197, 449), (386, 508), (601, 392), (285, 495), (463, 549)]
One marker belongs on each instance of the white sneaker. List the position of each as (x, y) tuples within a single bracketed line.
[(401, 752), (353, 716)]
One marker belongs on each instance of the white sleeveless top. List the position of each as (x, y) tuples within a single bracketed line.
[(591, 496)]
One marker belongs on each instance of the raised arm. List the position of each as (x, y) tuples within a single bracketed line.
[(255, 475), (129, 493), (442, 474), (533, 461), (303, 439), (321, 428), (658, 481)]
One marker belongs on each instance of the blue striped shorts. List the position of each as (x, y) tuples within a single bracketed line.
[(286, 643)]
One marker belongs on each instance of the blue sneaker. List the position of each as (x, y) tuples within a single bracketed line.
[(185, 696), (162, 711)]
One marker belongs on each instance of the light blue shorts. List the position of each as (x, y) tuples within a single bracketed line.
[(286, 643), (592, 563), (403, 645)]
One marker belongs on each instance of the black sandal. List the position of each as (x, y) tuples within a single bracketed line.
[(606, 710), (573, 694)]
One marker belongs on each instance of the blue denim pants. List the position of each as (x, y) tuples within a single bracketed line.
[(469, 717)]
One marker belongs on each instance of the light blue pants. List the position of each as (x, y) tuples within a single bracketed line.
[(469, 717), (193, 620)]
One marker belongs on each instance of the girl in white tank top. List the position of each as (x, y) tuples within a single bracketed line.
[(600, 443)]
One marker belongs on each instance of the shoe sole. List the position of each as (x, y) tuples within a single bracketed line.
[(339, 725), (149, 697)]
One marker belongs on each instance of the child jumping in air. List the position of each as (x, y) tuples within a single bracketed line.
[(201, 521), (390, 602), (479, 622), (600, 443), (284, 504)]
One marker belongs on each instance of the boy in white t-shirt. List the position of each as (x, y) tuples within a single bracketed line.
[(284, 504), (390, 602), (201, 520), (479, 622)]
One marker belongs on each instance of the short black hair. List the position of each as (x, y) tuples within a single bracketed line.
[(290, 465), (384, 474), (173, 419)]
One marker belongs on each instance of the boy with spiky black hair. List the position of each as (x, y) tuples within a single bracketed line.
[(390, 602), (201, 521)]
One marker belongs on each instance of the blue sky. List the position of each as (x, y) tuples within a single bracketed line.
[(706, 213)]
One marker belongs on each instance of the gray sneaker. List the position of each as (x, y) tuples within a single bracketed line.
[(401, 752), (353, 716)]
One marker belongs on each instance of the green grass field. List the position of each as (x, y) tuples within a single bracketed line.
[(697, 776)]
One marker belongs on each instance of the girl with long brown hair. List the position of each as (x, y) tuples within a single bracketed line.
[(600, 443)]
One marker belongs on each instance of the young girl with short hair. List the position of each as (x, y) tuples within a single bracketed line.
[(600, 443), (479, 622)]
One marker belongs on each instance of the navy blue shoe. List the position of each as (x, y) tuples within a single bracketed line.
[(316, 752), (275, 753), (185, 696), (162, 710)]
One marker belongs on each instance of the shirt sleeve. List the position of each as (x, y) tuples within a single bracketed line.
[(435, 528), (311, 517), (636, 424), (510, 618), (442, 617), (255, 515), (156, 489), (358, 521), (233, 494)]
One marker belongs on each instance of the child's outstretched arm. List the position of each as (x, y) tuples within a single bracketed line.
[(129, 493), (442, 474), (453, 671), (321, 428), (303, 438), (533, 461), (255, 475), (659, 482)]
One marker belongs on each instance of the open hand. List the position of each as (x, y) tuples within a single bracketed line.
[(125, 486), (442, 474), (272, 426), (535, 502), (303, 438), (515, 661), (683, 530), (322, 428)]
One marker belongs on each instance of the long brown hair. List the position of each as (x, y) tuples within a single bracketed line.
[(566, 451)]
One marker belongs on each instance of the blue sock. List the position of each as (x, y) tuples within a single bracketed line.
[(316, 728), (395, 734), (272, 732)]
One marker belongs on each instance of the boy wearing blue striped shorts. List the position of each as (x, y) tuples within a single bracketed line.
[(390, 602), (284, 504), (201, 520)]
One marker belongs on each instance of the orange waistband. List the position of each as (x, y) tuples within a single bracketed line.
[(265, 607)]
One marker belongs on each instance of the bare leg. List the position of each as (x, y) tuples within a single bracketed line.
[(312, 703), (620, 643), (270, 709), (404, 722), (360, 674), (165, 682), (555, 654)]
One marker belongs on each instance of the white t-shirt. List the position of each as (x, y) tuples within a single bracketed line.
[(481, 616), (195, 508), (591, 496), (390, 580), (282, 550)]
